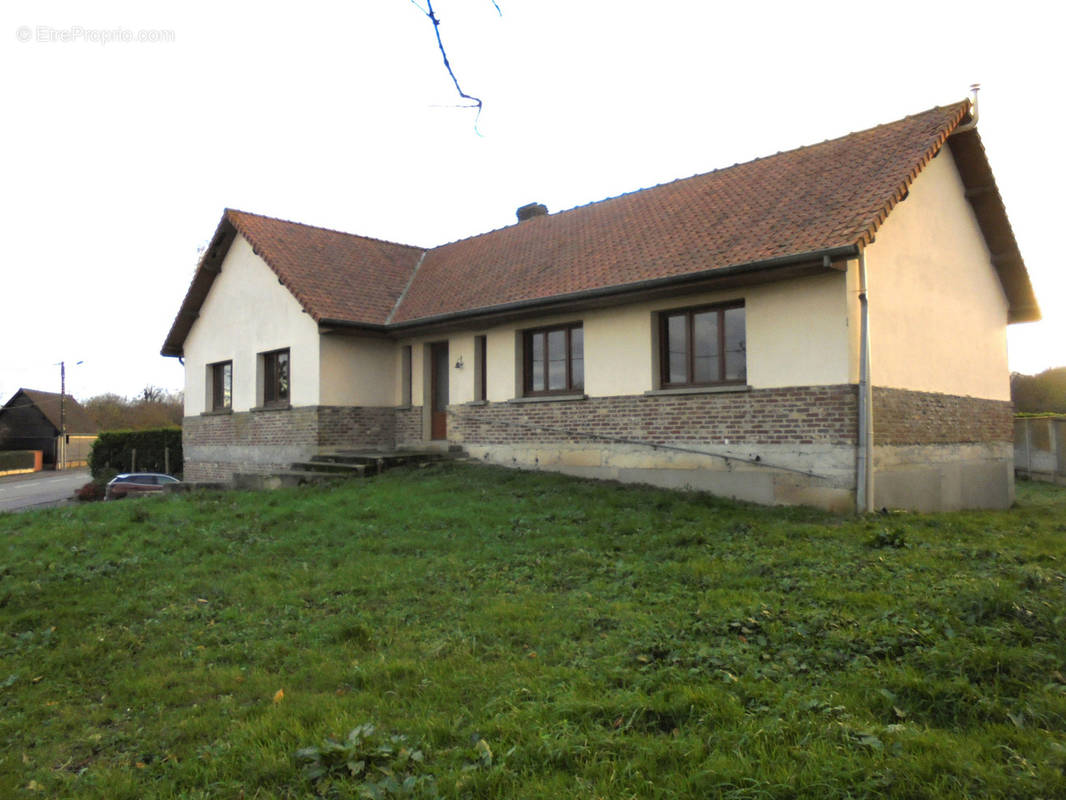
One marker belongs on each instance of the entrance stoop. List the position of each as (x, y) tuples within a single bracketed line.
[(336, 465), (363, 463)]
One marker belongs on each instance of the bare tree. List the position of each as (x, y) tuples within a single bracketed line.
[(151, 408)]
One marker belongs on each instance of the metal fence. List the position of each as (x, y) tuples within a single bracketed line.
[(1040, 448)]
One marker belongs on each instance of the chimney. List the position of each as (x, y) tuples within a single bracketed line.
[(531, 210)]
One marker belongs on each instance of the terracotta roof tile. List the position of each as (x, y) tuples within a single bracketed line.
[(817, 198), (814, 198), (333, 275)]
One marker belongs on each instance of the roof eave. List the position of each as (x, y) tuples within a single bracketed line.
[(991, 214), (206, 271), (709, 278)]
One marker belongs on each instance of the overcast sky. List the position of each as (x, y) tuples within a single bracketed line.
[(121, 154)]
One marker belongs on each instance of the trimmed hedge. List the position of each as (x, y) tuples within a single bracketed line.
[(17, 459), (113, 452)]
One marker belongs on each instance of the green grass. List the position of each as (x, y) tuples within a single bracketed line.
[(531, 636)]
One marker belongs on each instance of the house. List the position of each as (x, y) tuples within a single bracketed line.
[(35, 420), (824, 326)]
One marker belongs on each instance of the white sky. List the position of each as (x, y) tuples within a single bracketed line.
[(120, 157)]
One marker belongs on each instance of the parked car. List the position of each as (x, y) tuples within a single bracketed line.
[(137, 483)]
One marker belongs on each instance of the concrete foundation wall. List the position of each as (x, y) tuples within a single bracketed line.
[(710, 472), (939, 452), (944, 477), (788, 446), (771, 446)]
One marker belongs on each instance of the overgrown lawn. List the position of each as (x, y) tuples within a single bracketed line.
[(529, 635)]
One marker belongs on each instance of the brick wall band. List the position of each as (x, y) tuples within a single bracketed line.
[(409, 425), (324, 426), (812, 415), (904, 417), (797, 415), (342, 426), (302, 431)]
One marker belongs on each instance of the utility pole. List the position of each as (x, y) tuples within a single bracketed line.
[(62, 464), (61, 455)]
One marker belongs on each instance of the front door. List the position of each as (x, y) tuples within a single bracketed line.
[(438, 414)]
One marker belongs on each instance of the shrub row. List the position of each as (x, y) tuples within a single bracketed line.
[(137, 451), (17, 459)]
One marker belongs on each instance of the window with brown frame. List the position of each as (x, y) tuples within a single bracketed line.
[(703, 346), (405, 375), (221, 375), (554, 360), (276, 377)]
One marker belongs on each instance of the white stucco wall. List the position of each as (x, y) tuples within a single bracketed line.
[(248, 312), (358, 371), (938, 313), (796, 336), (798, 332)]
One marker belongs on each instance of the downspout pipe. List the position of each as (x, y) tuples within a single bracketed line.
[(864, 456)]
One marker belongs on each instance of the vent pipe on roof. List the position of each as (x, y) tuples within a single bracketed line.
[(969, 126), (531, 210)]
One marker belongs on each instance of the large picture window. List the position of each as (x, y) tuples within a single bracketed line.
[(276, 378), (554, 360), (221, 376), (703, 346)]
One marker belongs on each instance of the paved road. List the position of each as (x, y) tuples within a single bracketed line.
[(40, 489)]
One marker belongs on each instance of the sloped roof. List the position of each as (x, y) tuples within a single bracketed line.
[(77, 419), (332, 274), (801, 204)]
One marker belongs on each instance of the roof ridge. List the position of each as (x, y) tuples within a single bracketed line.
[(228, 211), (714, 171)]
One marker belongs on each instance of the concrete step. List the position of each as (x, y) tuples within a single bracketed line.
[(379, 454), (380, 461), (354, 470), (337, 465)]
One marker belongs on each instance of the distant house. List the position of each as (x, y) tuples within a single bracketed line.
[(826, 326), (33, 420)]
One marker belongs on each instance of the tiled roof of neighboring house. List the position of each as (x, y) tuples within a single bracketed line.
[(76, 418), (803, 203)]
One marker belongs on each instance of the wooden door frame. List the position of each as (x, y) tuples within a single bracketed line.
[(429, 385)]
